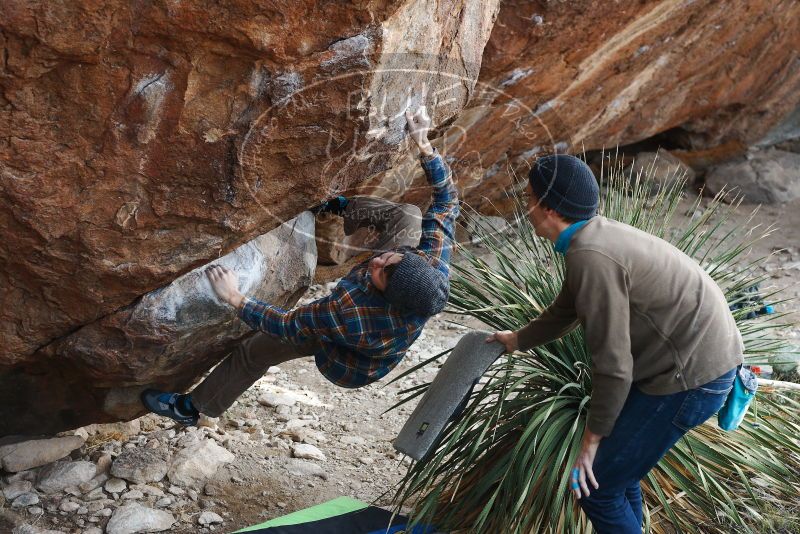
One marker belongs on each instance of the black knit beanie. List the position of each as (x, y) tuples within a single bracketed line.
[(567, 185), (416, 287)]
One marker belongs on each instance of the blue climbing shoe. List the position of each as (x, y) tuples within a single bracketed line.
[(167, 404)]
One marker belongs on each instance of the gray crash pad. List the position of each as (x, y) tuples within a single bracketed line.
[(446, 395)]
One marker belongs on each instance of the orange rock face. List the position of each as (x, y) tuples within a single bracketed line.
[(144, 139), (587, 74)]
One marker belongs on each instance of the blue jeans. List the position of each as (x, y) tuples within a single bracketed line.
[(647, 427)]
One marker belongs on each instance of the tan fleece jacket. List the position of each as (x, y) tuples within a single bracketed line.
[(651, 316)]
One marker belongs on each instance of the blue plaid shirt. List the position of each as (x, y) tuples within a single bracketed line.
[(362, 336)]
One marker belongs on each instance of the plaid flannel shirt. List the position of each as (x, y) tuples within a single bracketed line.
[(362, 336)]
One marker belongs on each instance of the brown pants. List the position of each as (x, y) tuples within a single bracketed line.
[(391, 225)]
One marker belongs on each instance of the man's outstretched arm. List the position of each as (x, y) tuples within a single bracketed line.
[(438, 224), (319, 318), (555, 321)]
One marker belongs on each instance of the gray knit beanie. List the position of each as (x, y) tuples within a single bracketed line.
[(567, 185), (416, 287)]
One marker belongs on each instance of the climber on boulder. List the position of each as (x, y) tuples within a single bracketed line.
[(361, 330)]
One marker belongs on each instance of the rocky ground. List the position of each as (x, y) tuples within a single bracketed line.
[(292, 441)]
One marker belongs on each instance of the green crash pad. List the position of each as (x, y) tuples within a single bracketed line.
[(339, 516), (338, 506)]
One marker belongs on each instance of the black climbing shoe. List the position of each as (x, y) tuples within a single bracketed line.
[(335, 205), (166, 404)]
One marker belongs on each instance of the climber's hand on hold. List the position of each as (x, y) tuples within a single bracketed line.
[(225, 284), (419, 124)]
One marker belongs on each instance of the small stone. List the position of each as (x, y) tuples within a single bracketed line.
[(94, 495), (301, 468), (26, 499), (276, 399), (197, 463), (94, 483), (294, 424), (353, 440), (149, 490), (35, 510), (17, 488), (115, 485), (73, 490), (307, 451), (93, 530), (61, 475), (83, 510), (134, 517), (209, 518), (207, 422), (69, 506), (140, 465), (96, 506), (163, 502), (366, 460), (176, 490), (132, 495), (213, 488), (36, 453), (104, 463)]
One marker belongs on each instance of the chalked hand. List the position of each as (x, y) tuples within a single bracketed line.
[(225, 284), (419, 124)]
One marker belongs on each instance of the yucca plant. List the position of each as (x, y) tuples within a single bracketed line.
[(503, 466)]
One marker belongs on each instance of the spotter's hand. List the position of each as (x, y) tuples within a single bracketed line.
[(507, 338)]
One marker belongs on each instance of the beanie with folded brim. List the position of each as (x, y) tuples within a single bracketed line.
[(566, 185), (417, 288)]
